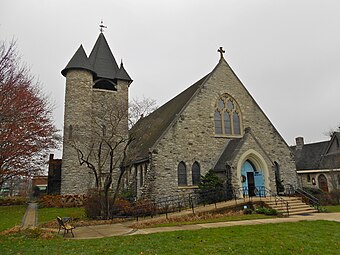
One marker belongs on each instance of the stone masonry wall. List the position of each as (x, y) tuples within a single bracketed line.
[(75, 178)]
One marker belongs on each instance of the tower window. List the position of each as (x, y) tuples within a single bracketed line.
[(227, 116)]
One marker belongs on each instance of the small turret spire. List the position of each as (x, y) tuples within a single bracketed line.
[(101, 26)]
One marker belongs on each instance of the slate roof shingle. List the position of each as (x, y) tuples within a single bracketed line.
[(102, 59)]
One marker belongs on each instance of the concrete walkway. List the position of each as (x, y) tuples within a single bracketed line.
[(99, 231), (30, 218)]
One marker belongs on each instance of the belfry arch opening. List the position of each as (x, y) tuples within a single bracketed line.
[(105, 84)]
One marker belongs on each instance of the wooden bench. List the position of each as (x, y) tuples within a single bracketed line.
[(65, 226)]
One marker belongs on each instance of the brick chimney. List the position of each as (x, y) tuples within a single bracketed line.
[(299, 142)]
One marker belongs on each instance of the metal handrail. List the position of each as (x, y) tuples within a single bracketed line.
[(280, 199), (262, 191), (309, 198)]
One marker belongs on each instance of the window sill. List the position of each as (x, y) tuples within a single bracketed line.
[(188, 187), (227, 136)]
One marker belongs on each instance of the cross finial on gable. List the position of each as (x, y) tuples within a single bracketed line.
[(102, 27), (221, 51)]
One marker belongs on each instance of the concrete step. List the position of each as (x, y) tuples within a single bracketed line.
[(306, 208), (295, 206), (290, 206), (302, 212)]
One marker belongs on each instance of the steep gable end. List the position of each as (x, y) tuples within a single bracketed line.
[(334, 144)]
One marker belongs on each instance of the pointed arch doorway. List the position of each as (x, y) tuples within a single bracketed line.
[(253, 174), (323, 184), (252, 179)]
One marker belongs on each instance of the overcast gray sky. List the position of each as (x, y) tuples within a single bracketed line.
[(285, 52)]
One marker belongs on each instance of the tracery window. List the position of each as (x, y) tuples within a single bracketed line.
[(227, 116), (182, 174), (196, 173)]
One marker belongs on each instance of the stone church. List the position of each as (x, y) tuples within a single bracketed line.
[(213, 124)]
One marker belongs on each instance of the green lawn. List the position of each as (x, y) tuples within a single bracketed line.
[(306, 237), (332, 208), (11, 216), (48, 214)]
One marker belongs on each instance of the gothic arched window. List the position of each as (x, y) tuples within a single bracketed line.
[(196, 173), (227, 116), (182, 174)]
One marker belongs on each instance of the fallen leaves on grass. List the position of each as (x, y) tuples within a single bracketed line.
[(183, 218)]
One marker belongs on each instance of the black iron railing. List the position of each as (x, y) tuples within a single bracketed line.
[(166, 205), (303, 194)]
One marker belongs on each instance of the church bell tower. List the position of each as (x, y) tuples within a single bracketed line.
[(95, 86)]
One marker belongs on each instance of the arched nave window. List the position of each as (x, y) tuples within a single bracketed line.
[(182, 174), (196, 173), (227, 116)]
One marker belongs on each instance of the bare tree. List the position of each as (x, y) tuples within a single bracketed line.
[(139, 108), (331, 131), (105, 154), (27, 131)]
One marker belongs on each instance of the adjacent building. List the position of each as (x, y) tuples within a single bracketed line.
[(318, 164)]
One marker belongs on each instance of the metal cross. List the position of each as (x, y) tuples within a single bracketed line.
[(221, 51), (102, 27)]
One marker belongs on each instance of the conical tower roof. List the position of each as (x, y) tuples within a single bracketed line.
[(102, 59), (78, 61)]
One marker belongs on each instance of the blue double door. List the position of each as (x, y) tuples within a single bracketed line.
[(252, 179)]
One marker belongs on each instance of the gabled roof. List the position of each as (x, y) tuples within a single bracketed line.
[(102, 59), (315, 156), (78, 61), (148, 130), (309, 156), (228, 154)]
